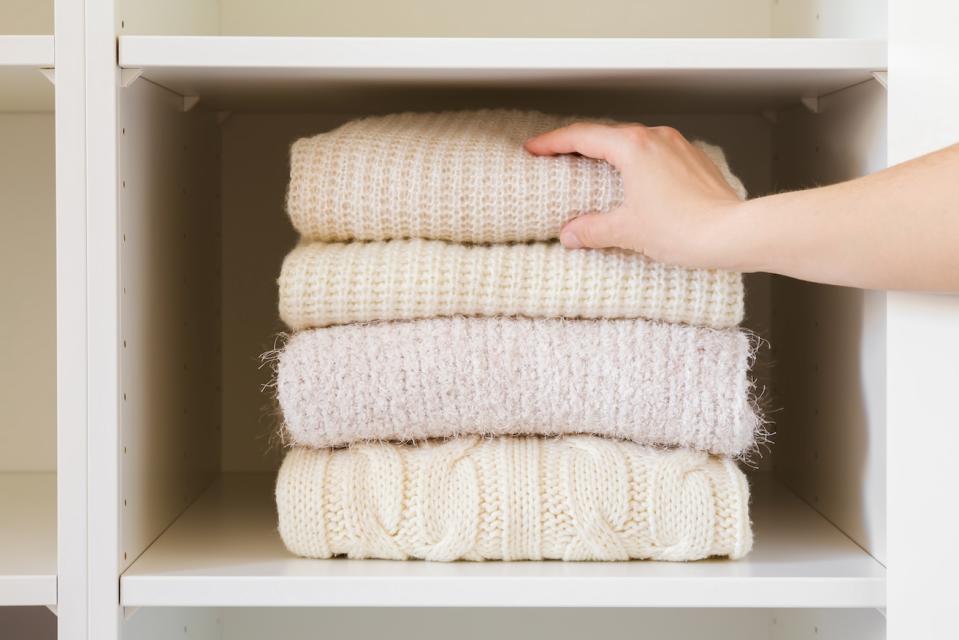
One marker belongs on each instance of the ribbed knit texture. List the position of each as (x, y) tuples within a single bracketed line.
[(327, 284), (461, 176), (650, 382), (571, 498)]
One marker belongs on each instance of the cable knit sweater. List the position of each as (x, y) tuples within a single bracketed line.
[(650, 382), (460, 176), (572, 498), (327, 284)]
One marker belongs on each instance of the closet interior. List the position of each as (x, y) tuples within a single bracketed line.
[(210, 96), (28, 453)]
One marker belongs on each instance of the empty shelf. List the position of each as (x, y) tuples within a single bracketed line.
[(225, 551), (28, 539), (357, 74), (22, 85)]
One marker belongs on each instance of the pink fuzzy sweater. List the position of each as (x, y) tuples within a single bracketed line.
[(649, 382)]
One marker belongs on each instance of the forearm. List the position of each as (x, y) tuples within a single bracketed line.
[(895, 229)]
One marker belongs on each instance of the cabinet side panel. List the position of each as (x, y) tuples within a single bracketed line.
[(72, 325), (829, 342), (28, 293), (923, 342), (169, 310)]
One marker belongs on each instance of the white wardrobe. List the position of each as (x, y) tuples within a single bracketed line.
[(141, 204)]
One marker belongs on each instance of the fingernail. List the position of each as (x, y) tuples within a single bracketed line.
[(569, 240)]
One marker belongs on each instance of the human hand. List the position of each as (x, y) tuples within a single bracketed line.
[(676, 202)]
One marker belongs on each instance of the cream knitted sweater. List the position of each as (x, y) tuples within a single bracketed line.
[(650, 382), (460, 176), (571, 498), (327, 284)]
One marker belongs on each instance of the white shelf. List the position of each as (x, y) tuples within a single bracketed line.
[(349, 74), (28, 539), (22, 86), (225, 551)]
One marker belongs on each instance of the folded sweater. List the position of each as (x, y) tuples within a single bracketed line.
[(338, 283), (462, 176), (650, 382), (571, 498)]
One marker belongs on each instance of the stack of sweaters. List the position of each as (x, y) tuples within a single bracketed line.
[(460, 386)]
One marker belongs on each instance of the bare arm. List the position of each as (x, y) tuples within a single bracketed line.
[(895, 229)]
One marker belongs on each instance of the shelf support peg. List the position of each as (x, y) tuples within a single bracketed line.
[(129, 76), (882, 77), (189, 102), (50, 74), (811, 103), (129, 612)]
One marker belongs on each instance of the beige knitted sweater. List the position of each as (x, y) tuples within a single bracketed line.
[(327, 284), (650, 382), (571, 498), (462, 176)]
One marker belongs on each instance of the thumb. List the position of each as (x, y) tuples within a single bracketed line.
[(592, 231)]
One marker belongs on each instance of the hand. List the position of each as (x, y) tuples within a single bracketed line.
[(676, 200)]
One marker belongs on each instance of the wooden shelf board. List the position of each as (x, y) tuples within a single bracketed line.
[(225, 551), (587, 74), (28, 539), (22, 86)]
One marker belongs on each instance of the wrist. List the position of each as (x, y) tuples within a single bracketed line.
[(733, 241)]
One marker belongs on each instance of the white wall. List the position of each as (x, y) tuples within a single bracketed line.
[(829, 18), (28, 293), (480, 624), (535, 18), (532, 18), (828, 624), (170, 17), (26, 17)]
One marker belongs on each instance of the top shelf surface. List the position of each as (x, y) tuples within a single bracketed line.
[(350, 74), (22, 86)]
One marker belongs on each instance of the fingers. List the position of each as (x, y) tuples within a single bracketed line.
[(594, 231), (596, 141)]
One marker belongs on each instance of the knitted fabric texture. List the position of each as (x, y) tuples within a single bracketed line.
[(327, 284), (650, 382), (572, 498), (460, 176)]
